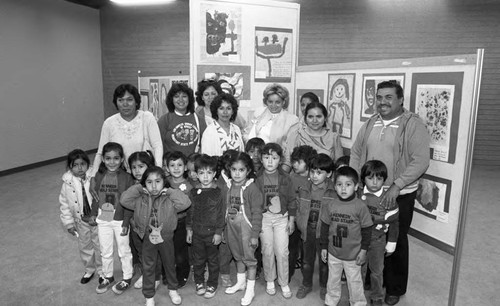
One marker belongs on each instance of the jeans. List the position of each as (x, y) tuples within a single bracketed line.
[(274, 239), (205, 253), (312, 250), (354, 282), (375, 261), (396, 265), (109, 231)]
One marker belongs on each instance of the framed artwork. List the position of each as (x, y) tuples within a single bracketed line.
[(339, 103), (144, 100), (154, 98), (163, 87), (370, 83), (236, 77), (220, 28), (273, 55), (436, 98), (299, 109), (433, 197)]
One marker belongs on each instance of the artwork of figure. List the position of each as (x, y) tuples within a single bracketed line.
[(154, 106), (216, 31), (273, 54), (339, 112), (369, 97), (268, 51)]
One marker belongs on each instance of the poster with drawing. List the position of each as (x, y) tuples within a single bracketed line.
[(144, 99), (164, 86), (301, 105), (370, 83), (339, 103), (236, 79), (154, 98), (434, 105), (433, 198), (273, 55), (220, 39), (436, 98)]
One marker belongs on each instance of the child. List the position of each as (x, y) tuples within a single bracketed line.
[(204, 224), (278, 219), (300, 158), (374, 174), (112, 219), (346, 227), (192, 178), (177, 165), (75, 212), (155, 213), (243, 223), (253, 148), (164, 164), (138, 162), (342, 161), (320, 192)]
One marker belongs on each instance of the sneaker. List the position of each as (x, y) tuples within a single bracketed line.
[(270, 288), (200, 289), (210, 293), (303, 291), (322, 293), (104, 284), (138, 283), (226, 280), (175, 297), (286, 292), (121, 286), (150, 301)]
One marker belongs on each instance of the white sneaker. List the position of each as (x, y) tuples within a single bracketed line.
[(248, 297), (150, 302), (175, 297), (287, 293), (270, 288), (235, 288), (138, 283)]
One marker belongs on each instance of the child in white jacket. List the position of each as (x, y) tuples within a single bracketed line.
[(75, 200)]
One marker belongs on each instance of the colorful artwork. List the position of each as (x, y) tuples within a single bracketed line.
[(221, 33), (433, 198), (370, 83), (339, 103), (273, 55), (300, 108), (236, 77)]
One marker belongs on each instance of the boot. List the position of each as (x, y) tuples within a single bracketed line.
[(240, 284), (249, 293)]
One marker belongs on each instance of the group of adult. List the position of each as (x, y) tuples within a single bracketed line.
[(393, 135), (214, 125)]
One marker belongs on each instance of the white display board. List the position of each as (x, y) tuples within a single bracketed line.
[(440, 90), (251, 44)]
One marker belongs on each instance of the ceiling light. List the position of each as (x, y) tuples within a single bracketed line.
[(141, 2)]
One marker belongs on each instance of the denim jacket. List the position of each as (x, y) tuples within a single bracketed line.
[(304, 207)]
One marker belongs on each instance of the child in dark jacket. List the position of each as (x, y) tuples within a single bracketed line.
[(155, 213), (204, 224)]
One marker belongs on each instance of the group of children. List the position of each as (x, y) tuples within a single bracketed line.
[(206, 211)]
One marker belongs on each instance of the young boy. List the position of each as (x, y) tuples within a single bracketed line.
[(320, 192), (300, 158), (177, 165), (278, 219), (204, 224), (192, 178), (346, 226), (373, 175), (254, 148)]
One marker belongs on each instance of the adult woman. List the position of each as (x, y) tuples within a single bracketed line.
[(314, 133), (223, 134), (207, 91), (181, 128), (134, 129), (273, 123)]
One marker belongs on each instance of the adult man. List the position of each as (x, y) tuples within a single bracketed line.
[(400, 139)]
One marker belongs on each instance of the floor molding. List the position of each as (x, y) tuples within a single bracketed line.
[(432, 241), (39, 164)]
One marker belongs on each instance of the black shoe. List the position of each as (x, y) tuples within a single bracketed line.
[(85, 280), (391, 299)]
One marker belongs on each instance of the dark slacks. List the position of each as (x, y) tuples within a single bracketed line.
[(205, 253), (182, 265), (396, 265), (312, 250), (294, 248)]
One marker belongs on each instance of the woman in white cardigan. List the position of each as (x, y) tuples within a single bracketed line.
[(134, 129), (223, 134)]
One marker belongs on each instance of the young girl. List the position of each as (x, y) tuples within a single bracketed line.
[(75, 212), (243, 222), (155, 208), (112, 219), (139, 162)]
